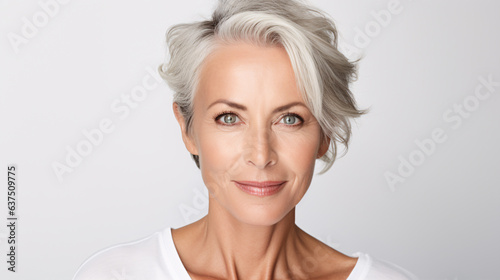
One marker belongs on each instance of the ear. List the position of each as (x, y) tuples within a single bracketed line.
[(186, 137), (325, 144)]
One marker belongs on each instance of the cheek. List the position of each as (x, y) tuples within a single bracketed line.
[(299, 150), (217, 150), (218, 157), (299, 153)]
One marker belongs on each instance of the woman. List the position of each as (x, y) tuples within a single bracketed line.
[(261, 92)]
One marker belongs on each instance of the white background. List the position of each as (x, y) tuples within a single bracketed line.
[(441, 222)]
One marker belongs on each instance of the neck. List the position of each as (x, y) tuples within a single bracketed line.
[(249, 251)]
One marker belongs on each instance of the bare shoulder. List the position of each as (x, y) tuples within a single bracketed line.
[(334, 264), (339, 266), (324, 262)]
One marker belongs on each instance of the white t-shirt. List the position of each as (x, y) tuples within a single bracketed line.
[(155, 257)]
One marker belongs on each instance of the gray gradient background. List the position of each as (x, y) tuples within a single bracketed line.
[(442, 222)]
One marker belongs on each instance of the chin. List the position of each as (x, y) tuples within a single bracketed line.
[(261, 215)]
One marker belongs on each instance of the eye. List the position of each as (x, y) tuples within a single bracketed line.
[(227, 118), (291, 119)]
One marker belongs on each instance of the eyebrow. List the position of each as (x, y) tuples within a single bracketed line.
[(244, 108)]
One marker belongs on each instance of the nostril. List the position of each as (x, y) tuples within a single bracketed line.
[(259, 150), (261, 156)]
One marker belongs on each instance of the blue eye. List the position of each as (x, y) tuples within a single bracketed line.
[(227, 118), (291, 119)]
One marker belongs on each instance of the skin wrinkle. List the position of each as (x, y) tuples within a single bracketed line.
[(244, 236)]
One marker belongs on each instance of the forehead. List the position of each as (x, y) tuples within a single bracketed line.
[(246, 69)]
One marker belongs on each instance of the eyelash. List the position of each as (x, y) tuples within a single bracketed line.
[(301, 120), (221, 114)]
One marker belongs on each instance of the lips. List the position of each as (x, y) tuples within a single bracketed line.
[(260, 189)]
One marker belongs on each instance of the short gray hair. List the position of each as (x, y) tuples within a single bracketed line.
[(309, 36)]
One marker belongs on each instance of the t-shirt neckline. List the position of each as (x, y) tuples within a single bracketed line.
[(175, 265), (172, 258)]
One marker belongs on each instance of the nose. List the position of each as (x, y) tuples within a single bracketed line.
[(260, 148)]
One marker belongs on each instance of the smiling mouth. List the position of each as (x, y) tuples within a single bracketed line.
[(261, 189)]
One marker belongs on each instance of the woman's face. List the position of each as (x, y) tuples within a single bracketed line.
[(251, 125)]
